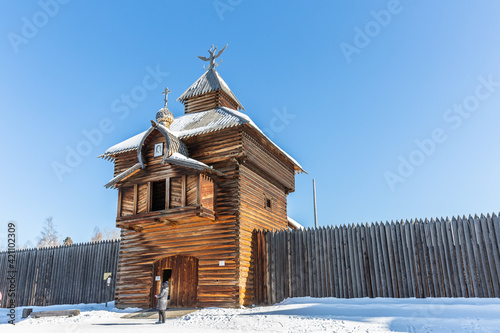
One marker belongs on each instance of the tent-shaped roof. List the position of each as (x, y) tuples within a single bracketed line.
[(208, 82)]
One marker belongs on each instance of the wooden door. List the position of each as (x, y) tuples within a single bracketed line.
[(183, 281)]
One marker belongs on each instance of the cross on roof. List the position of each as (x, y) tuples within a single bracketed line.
[(166, 92)]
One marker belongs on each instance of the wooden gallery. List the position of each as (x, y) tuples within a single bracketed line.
[(190, 192)]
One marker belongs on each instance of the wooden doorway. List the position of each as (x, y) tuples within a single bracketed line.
[(182, 274)]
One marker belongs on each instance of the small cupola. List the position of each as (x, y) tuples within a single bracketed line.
[(209, 91), (164, 116)]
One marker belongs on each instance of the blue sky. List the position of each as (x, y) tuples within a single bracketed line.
[(392, 106)]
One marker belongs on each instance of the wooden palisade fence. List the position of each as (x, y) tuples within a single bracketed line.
[(437, 258), (62, 275)]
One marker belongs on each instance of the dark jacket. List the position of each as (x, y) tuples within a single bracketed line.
[(163, 299)]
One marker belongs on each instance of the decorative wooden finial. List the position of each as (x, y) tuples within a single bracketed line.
[(211, 59)]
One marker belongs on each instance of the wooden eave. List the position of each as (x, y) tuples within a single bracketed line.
[(255, 168), (129, 180), (123, 176), (169, 217), (204, 170), (126, 175), (266, 142)]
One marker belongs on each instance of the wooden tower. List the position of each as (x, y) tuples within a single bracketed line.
[(190, 192)]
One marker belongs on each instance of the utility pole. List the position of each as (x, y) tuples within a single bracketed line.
[(315, 210)]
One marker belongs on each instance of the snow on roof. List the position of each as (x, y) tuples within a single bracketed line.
[(192, 124), (175, 158), (249, 121), (198, 123), (124, 146), (122, 176), (294, 224), (179, 159), (208, 82)]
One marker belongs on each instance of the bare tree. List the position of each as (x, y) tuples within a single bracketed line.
[(105, 234), (68, 241), (112, 234), (49, 236), (98, 235)]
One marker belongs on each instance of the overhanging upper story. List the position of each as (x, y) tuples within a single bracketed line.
[(215, 122), (184, 176)]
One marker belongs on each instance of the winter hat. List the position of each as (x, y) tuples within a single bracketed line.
[(165, 284)]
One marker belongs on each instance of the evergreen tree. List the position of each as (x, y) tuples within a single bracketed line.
[(68, 241)]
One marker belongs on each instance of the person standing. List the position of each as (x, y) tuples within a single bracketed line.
[(162, 303)]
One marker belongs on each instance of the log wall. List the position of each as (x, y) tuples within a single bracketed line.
[(268, 160), (252, 194), (265, 180), (208, 241), (209, 101), (255, 214), (437, 258)]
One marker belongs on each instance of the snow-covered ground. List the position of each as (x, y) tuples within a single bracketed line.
[(304, 314)]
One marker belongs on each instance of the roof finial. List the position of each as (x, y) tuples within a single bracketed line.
[(166, 92), (164, 116), (212, 57)]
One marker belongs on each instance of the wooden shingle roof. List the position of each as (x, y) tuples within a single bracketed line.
[(208, 82), (194, 124)]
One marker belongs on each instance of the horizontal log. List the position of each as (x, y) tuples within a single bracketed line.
[(58, 313)]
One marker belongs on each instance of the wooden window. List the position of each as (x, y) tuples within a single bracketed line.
[(142, 198), (166, 194), (207, 192), (127, 201), (176, 192), (191, 190), (158, 194), (267, 202)]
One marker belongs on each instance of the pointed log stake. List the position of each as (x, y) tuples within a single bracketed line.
[(315, 210)]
